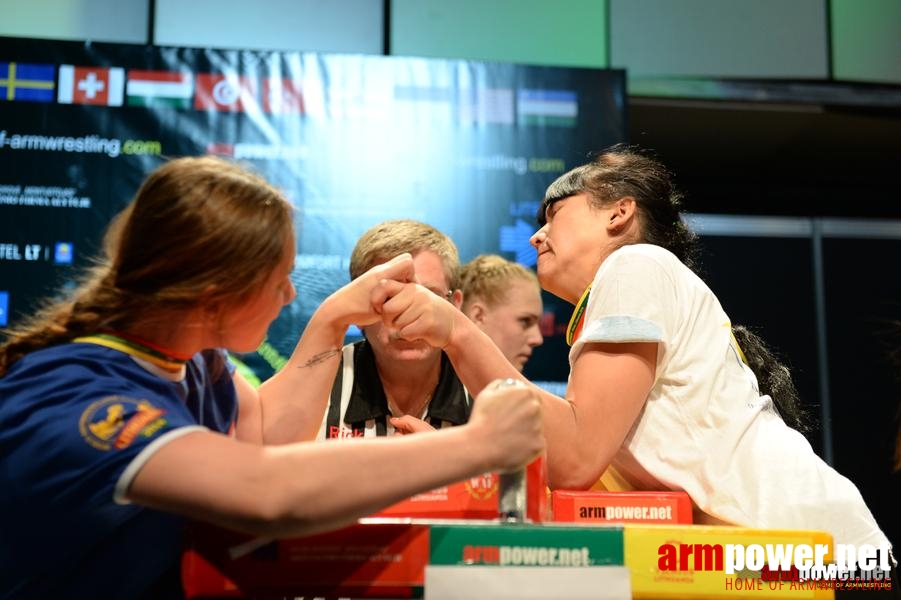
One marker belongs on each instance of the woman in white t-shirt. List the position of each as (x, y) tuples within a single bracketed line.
[(659, 387)]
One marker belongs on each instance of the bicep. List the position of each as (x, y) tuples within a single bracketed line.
[(249, 426)]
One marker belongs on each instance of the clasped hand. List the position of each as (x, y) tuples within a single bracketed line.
[(390, 293), (414, 312)]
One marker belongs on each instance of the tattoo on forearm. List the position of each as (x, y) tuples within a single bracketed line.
[(320, 358)]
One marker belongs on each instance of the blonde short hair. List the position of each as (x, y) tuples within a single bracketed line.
[(487, 277), (390, 238)]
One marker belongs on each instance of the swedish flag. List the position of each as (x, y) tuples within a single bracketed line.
[(28, 82)]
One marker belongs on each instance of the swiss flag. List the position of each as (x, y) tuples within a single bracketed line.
[(282, 96), (226, 93), (91, 85)]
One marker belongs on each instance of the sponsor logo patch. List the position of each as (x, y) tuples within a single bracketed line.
[(115, 422)]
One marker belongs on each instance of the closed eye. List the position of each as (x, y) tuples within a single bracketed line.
[(554, 208)]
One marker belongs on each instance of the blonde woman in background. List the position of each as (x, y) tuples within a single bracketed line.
[(504, 299)]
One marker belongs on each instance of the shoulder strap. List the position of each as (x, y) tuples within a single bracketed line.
[(336, 399)]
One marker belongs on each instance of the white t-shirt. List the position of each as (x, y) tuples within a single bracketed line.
[(705, 428)]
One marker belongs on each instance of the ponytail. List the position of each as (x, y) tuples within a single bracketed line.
[(774, 379), (87, 311)]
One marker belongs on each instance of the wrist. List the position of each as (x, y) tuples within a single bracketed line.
[(458, 331), (331, 318), (480, 445)]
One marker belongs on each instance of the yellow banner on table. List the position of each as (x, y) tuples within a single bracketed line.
[(691, 561)]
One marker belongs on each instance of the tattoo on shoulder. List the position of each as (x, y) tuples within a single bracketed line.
[(320, 358)]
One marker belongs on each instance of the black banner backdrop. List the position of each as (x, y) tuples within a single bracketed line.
[(353, 140)]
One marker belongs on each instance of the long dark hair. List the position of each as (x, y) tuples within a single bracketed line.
[(629, 171), (774, 379)]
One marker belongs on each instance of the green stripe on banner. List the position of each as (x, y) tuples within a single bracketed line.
[(525, 545), (157, 101)]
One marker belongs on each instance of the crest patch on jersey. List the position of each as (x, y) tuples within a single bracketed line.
[(115, 422)]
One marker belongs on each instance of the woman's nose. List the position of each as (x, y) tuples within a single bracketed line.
[(538, 237)]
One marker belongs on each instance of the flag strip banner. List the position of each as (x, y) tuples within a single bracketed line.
[(350, 139)]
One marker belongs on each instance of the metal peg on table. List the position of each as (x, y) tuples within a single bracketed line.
[(512, 486), (512, 497)]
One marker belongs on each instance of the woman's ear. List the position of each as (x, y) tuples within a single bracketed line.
[(476, 313), (623, 212)]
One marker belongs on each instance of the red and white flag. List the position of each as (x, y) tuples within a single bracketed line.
[(226, 93), (282, 96), (220, 149), (91, 85)]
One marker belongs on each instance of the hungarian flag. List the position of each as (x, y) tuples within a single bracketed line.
[(282, 96), (159, 88), (91, 85), (226, 93)]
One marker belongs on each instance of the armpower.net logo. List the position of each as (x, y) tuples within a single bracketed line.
[(784, 566)]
